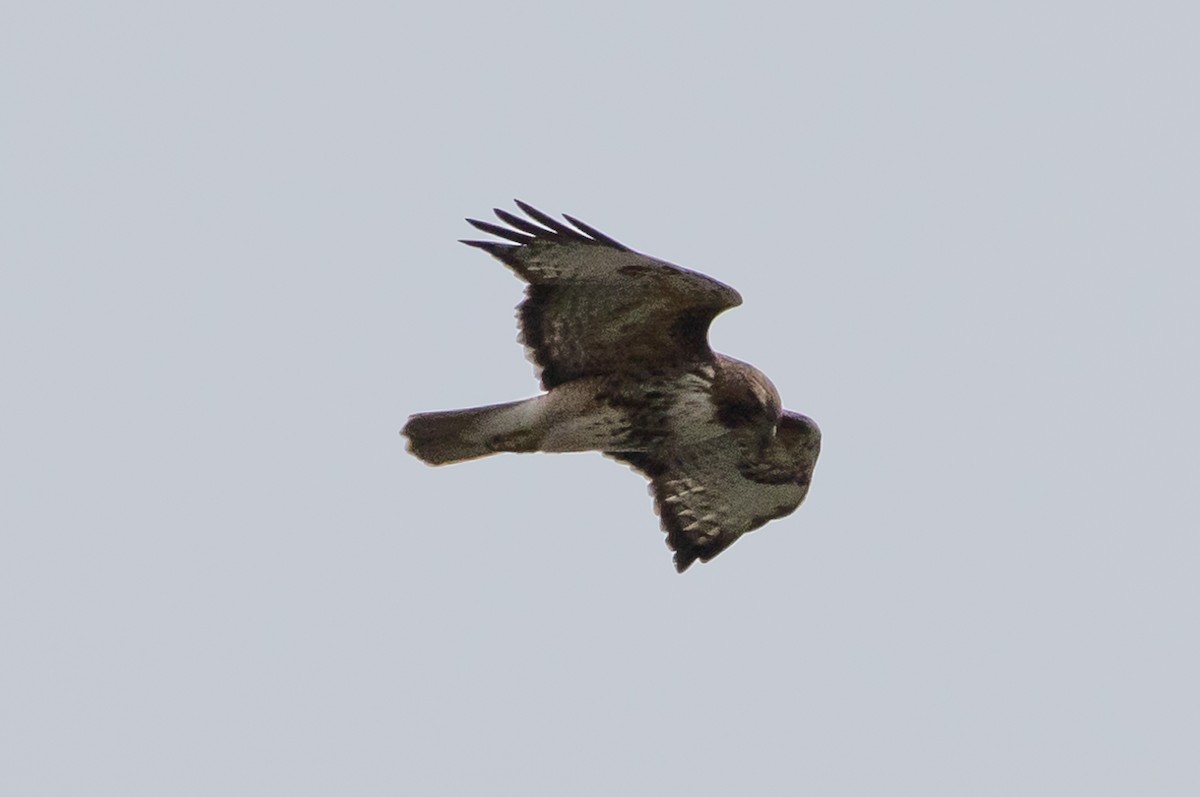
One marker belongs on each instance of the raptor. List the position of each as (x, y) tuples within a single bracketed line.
[(620, 341)]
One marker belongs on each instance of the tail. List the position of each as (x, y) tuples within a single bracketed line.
[(440, 438)]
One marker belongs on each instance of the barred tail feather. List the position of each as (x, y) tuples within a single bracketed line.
[(441, 438)]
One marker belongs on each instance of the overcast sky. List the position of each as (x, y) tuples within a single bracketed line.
[(967, 238)]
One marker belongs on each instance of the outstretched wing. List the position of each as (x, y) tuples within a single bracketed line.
[(710, 494), (594, 306)]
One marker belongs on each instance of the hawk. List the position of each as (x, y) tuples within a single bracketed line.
[(620, 341)]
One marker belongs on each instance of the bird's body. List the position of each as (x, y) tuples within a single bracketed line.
[(621, 342)]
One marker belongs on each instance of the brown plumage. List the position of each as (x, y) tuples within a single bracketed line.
[(621, 344)]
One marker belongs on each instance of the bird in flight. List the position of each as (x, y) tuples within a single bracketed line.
[(620, 341)]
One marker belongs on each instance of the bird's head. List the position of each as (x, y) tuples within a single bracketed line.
[(801, 438)]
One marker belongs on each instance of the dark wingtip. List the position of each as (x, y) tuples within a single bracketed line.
[(523, 231), (518, 223), (551, 222), (494, 249), (500, 232), (595, 234), (684, 561)]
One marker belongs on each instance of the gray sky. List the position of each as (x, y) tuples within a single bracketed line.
[(967, 241)]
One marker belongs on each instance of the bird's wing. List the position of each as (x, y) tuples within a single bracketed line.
[(710, 494), (594, 306)]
